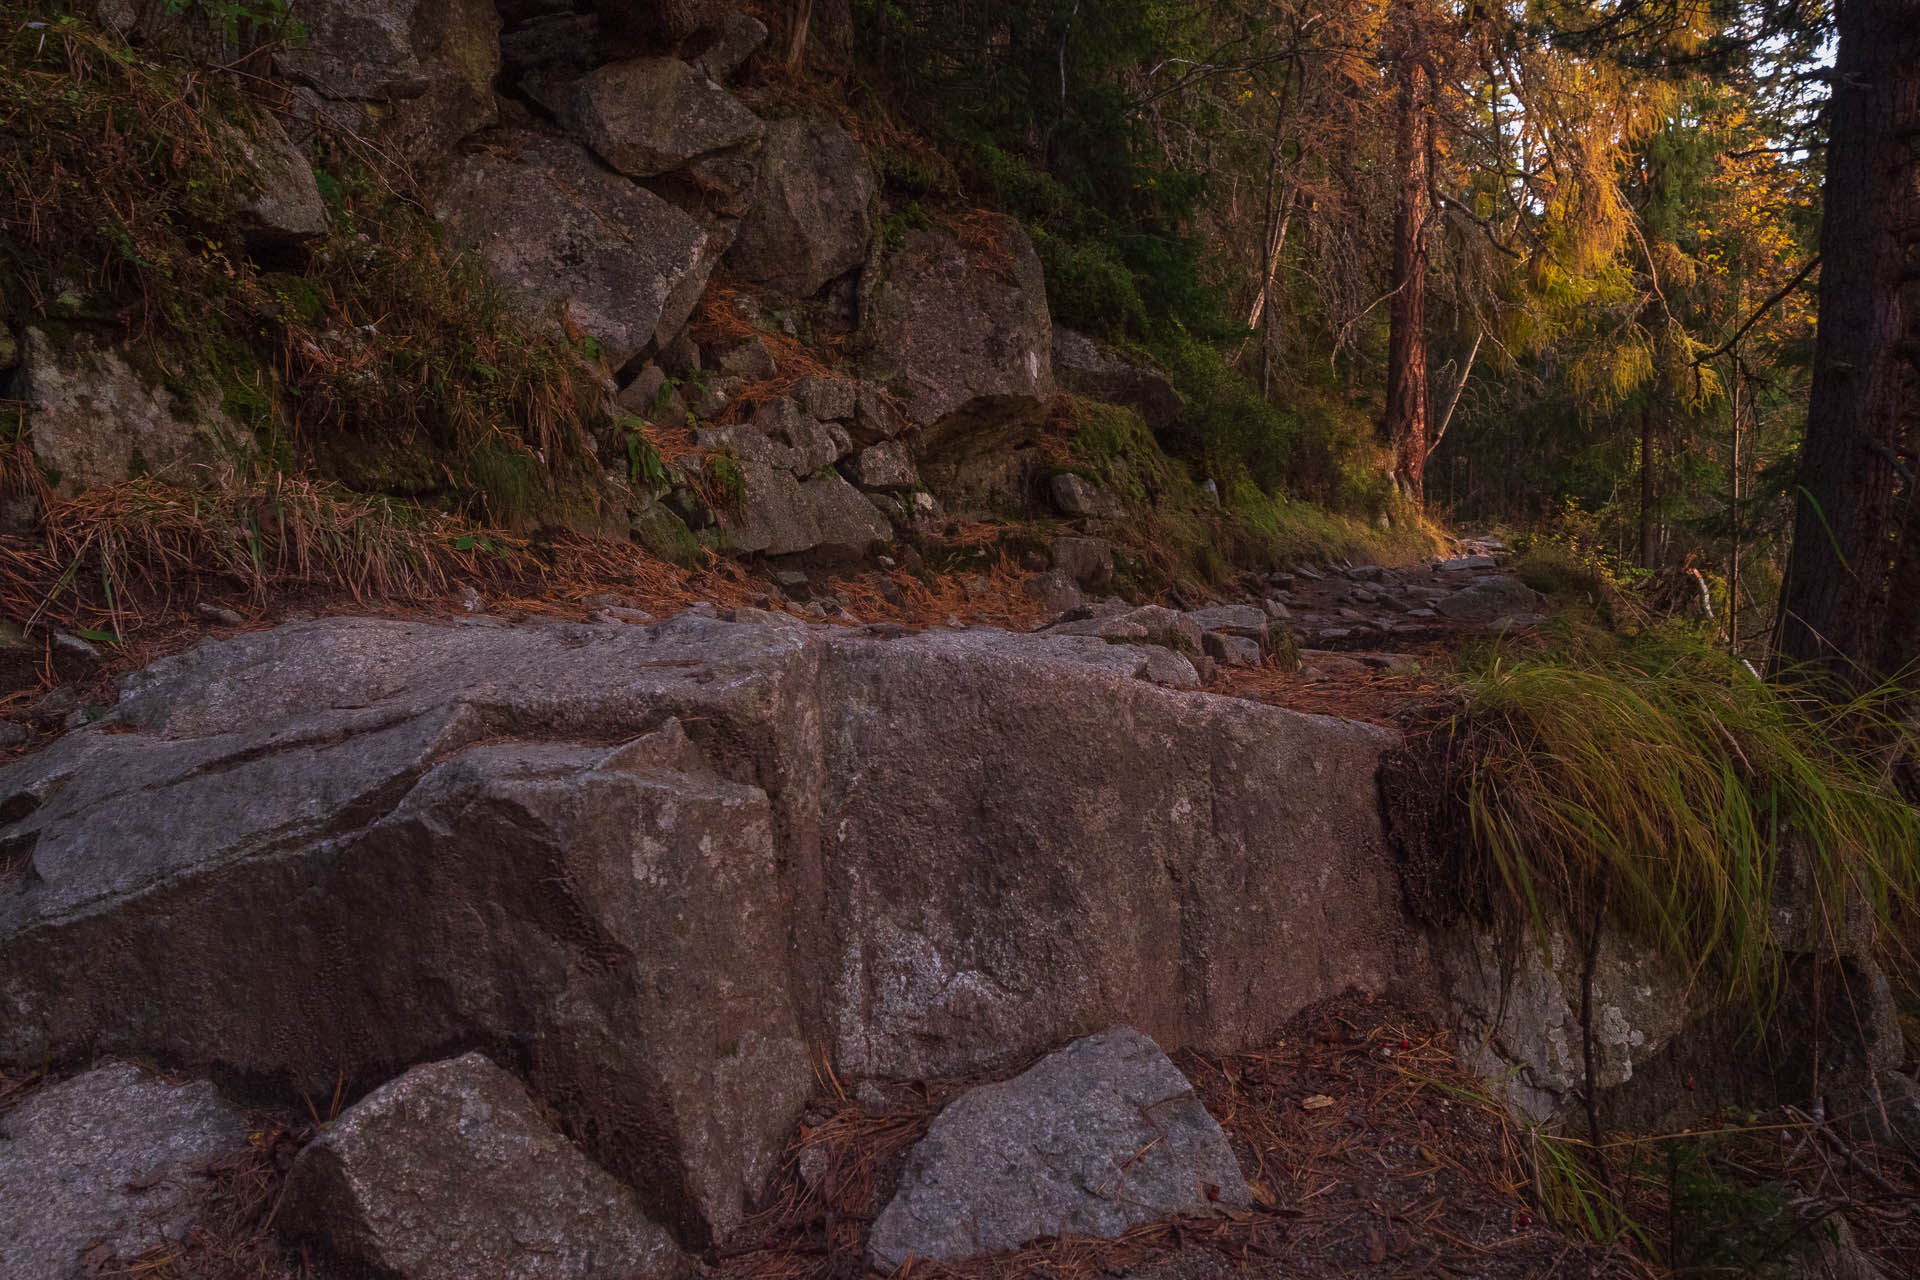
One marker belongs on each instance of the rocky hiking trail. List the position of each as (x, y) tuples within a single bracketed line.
[(1360, 641)]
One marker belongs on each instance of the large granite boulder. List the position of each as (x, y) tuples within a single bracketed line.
[(958, 326), (1103, 1136), (421, 71), (94, 420), (103, 1168), (557, 230), (648, 116), (451, 1173), (302, 891), (1031, 841), (812, 216)]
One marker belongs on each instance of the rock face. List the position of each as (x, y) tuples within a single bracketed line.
[(812, 216), (1086, 369), (961, 330), (336, 847), (422, 70), (449, 1172), (649, 116), (1102, 1136), (95, 421), (104, 1167), (555, 229)]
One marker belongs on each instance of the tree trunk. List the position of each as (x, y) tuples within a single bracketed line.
[(1733, 508), (1648, 547), (1834, 601), (1408, 396)]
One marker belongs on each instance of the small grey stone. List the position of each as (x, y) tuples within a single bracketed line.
[(1148, 624), (739, 38), (1056, 592), (13, 734), (219, 614), (1240, 619), (1165, 667), (1088, 561), (1076, 495), (113, 1157), (886, 465), (648, 116), (1231, 650), (828, 399), (750, 360), (1103, 1136), (1460, 564), (71, 652), (1278, 611), (641, 397)]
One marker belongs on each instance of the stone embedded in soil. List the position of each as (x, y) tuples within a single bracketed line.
[(105, 1167), (1103, 1136)]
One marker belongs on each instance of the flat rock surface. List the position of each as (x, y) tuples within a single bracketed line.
[(104, 1167), (1102, 1136)]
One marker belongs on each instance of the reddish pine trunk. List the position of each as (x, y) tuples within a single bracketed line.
[(1834, 606), (1408, 397)]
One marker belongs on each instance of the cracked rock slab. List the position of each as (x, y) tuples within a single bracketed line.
[(1103, 1136)]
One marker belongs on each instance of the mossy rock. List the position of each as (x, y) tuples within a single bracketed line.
[(660, 531)]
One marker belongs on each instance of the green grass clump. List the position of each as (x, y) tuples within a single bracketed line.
[(1662, 778)]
